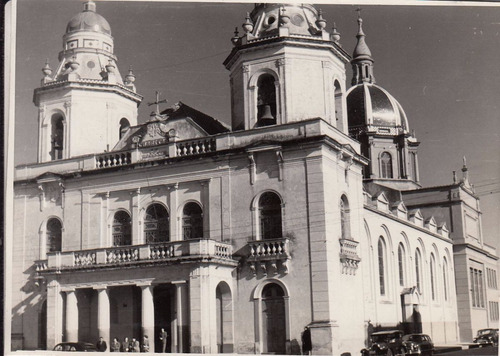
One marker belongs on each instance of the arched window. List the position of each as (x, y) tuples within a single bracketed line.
[(401, 264), (192, 221), (270, 216), (54, 235), (381, 265), (122, 229), (445, 279), (433, 277), (345, 221), (57, 137), (418, 270), (338, 102), (266, 100), (156, 224), (386, 165), (124, 126)]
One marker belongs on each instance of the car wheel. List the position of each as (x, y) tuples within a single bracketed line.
[(389, 352)]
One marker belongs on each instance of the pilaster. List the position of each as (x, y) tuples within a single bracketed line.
[(136, 219), (55, 305), (103, 314), (71, 316), (174, 223), (148, 313)]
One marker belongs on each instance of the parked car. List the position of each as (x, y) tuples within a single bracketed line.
[(487, 336), (75, 346), (418, 344), (387, 343)]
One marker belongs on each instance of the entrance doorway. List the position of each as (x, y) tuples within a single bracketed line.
[(42, 327), (273, 319), (224, 318), (164, 304)]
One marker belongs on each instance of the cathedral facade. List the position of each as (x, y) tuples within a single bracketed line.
[(306, 211)]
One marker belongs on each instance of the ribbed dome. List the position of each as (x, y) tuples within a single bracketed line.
[(88, 20), (370, 105)]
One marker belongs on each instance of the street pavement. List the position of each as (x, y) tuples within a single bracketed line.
[(487, 351)]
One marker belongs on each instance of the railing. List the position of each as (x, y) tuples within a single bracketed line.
[(41, 265), (113, 159), (265, 249), (199, 249), (194, 147), (122, 254), (269, 256)]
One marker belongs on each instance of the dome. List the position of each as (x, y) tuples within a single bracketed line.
[(370, 105), (88, 20)]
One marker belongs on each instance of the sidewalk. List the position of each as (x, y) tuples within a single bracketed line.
[(439, 349)]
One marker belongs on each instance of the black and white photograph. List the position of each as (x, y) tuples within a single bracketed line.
[(251, 178)]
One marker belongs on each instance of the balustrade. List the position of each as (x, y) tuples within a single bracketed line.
[(194, 147), (122, 254), (85, 258), (161, 251), (349, 256), (269, 256), (113, 159)]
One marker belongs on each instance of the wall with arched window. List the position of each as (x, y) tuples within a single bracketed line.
[(57, 140), (156, 224), (122, 229), (445, 280), (53, 235), (386, 169), (270, 224), (192, 221), (338, 105)]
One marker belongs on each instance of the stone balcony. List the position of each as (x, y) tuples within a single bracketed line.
[(268, 256), (349, 256), (189, 251)]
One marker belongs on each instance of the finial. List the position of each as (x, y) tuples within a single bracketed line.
[(335, 36), (465, 172), (47, 71), (284, 18), (248, 24), (236, 36), (455, 177), (360, 22), (130, 77), (321, 22), (464, 168), (89, 6)]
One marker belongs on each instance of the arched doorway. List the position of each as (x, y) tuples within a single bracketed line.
[(273, 319), (224, 318)]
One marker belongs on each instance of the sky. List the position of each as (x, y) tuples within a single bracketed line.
[(440, 62)]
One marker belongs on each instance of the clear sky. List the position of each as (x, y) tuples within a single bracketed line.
[(440, 62)]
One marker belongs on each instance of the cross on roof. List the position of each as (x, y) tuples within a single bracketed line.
[(157, 102), (358, 10)]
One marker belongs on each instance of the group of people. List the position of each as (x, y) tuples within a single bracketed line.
[(126, 346)]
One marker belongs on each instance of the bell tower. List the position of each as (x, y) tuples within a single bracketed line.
[(286, 67), (85, 105)]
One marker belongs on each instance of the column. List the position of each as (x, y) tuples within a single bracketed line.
[(182, 316), (148, 315), (71, 316), (103, 314), (55, 304), (136, 220), (199, 307), (173, 213)]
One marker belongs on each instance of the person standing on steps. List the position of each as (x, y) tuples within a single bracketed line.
[(306, 341)]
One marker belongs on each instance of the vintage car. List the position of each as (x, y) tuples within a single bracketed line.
[(386, 343), (75, 346), (487, 336), (418, 344)]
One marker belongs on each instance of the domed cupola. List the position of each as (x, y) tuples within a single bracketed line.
[(378, 121), (286, 67), (85, 105)]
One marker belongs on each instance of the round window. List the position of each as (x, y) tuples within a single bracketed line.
[(90, 64)]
